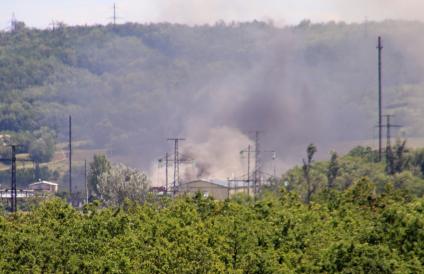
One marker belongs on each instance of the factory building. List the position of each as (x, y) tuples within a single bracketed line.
[(218, 189)]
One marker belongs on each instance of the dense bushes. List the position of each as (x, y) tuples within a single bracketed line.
[(275, 234), (341, 172)]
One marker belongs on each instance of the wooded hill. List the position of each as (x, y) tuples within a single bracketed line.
[(130, 86)]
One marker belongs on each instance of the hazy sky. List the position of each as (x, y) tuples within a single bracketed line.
[(40, 13)]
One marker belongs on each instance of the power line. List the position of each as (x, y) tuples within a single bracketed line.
[(166, 172), (70, 157), (85, 181), (176, 182), (114, 17), (258, 162), (12, 160), (248, 169), (380, 48), (114, 14), (388, 126), (13, 23), (166, 160), (249, 152), (257, 174)]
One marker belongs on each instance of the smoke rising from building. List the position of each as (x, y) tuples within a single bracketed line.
[(214, 85)]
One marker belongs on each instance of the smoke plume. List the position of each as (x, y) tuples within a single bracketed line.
[(215, 85)]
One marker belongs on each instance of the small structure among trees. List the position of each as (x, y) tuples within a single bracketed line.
[(44, 186)]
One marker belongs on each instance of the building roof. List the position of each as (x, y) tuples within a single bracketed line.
[(220, 182), (44, 183)]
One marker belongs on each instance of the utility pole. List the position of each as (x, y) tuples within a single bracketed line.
[(257, 174), (13, 197), (85, 181), (249, 152), (380, 126), (70, 157), (248, 169), (114, 17), (388, 126), (166, 172), (13, 194), (114, 14), (13, 23), (176, 167), (389, 152), (176, 164)]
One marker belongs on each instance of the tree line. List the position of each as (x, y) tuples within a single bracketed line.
[(354, 231)]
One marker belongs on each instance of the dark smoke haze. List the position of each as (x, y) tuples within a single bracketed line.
[(215, 85)]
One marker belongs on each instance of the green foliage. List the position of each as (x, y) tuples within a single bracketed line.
[(42, 148), (120, 183), (333, 170), (98, 167), (275, 234), (366, 153), (342, 172), (311, 186), (133, 71), (26, 175)]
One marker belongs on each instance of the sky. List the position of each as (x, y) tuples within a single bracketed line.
[(41, 13)]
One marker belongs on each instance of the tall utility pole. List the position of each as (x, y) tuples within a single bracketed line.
[(248, 169), (114, 14), (176, 164), (388, 126), (166, 172), (249, 152), (70, 157), (13, 197), (13, 23), (257, 173), (380, 126), (13, 194), (176, 167), (85, 181)]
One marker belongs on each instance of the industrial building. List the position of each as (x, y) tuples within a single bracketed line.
[(218, 189), (44, 186)]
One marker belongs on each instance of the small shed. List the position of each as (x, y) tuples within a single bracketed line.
[(44, 186)]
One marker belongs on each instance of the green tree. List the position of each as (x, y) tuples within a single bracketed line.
[(311, 187), (120, 183), (43, 147), (333, 170), (99, 166), (397, 158)]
